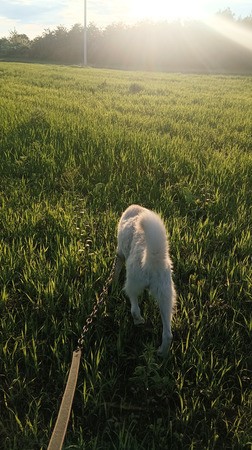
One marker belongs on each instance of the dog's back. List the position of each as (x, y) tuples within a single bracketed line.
[(142, 229)]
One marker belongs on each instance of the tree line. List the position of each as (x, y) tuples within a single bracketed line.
[(167, 46)]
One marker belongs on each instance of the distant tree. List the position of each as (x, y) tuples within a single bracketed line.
[(51, 46), (59, 40), (4, 47), (226, 14), (19, 44), (246, 21), (75, 44), (18, 39), (115, 45), (94, 41)]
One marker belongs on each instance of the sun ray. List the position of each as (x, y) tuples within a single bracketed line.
[(189, 10), (231, 30)]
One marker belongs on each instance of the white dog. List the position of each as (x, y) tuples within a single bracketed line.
[(143, 245)]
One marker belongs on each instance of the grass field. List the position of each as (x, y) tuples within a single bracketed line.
[(77, 147)]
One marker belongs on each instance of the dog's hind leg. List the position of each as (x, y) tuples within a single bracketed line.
[(166, 334), (118, 267), (166, 299), (135, 310)]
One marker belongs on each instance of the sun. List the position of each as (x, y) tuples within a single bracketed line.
[(166, 9)]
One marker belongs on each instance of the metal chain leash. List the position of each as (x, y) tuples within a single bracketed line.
[(101, 299)]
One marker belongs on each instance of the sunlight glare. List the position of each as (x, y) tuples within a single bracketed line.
[(232, 31), (165, 9)]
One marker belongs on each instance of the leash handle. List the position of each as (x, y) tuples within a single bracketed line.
[(60, 427)]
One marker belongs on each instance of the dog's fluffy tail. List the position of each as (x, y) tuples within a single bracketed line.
[(155, 235)]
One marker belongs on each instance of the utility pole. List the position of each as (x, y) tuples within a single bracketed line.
[(85, 34)]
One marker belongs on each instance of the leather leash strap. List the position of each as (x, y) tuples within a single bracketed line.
[(60, 427)]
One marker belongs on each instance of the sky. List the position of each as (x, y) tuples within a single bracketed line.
[(32, 17)]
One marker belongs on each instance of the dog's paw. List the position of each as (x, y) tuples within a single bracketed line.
[(138, 320), (164, 350), (161, 353)]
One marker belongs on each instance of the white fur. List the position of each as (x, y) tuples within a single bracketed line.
[(143, 245)]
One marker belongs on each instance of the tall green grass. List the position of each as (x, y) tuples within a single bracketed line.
[(77, 147)]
